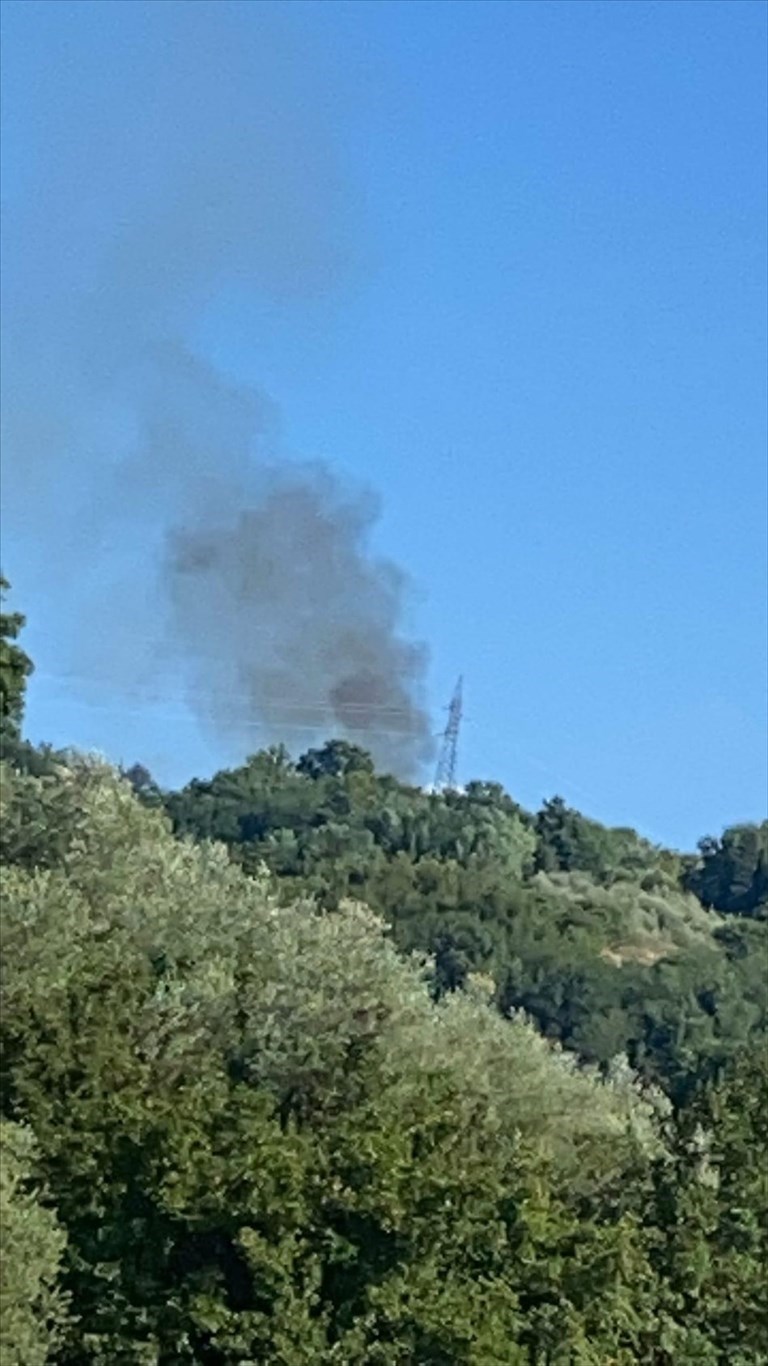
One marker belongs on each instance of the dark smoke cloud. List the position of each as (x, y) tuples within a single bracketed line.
[(205, 163), (314, 616)]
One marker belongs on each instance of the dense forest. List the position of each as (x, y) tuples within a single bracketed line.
[(301, 1064)]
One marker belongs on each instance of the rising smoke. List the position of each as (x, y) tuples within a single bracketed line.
[(187, 150)]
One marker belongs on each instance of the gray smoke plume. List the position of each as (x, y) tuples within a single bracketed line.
[(205, 165), (314, 618)]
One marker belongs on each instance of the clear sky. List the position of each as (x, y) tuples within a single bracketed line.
[(542, 341)]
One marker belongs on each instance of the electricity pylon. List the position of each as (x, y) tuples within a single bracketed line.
[(445, 773)]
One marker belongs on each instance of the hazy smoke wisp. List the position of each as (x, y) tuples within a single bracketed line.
[(206, 164)]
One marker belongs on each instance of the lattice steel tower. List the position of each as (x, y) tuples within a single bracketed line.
[(445, 773)]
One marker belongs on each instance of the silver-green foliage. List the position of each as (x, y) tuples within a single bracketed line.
[(266, 1140), (32, 1307)]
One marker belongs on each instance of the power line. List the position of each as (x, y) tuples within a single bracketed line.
[(191, 718), (276, 704), (322, 715)]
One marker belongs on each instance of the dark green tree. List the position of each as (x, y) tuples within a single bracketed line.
[(569, 842), (731, 873), (710, 1219), (15, 668), (335, 759)]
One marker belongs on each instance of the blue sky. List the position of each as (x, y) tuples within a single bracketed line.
[(542, 342)]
